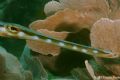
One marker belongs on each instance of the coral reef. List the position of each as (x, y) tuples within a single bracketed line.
[(91, 8), (84, 6), (10, 68), (71, 16), (87, 11), (45, 26), (59, 26), (105, 35)]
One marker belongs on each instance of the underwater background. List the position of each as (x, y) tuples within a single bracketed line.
[(68, 65), (22, 12)]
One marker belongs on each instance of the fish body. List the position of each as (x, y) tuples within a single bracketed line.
[(21, 32)]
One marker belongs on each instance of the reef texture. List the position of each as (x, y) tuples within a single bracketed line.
[(105, 35), (84, 6), (93, 8), (59, 26), (87, 11), (10, 68), (46, 28), (52, 7), (70, 16)]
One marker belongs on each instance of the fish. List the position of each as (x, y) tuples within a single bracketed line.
[(12, 30)]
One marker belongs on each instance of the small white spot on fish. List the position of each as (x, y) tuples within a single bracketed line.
[(35, 37), (75, 47), (61, 44), (95, 51), (107, 51), (48, 40), (21, 34), (84, 50)]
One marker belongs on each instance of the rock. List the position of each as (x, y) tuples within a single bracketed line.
[(10, 68)]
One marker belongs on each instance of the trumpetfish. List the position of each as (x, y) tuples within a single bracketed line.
[(13, 30)]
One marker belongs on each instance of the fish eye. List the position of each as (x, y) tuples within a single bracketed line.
[(12, 28)]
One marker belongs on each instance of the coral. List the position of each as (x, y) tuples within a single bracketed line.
[(87, 11), (10, 68), (58, 26), (105, 35), (98, 8), (47, 27), (66, 18), (82, 6), (62, 23), (44, 48), (70, 16), (54, 5)]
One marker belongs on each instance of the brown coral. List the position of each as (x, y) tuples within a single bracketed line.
[(86, 11), (105, 34), (65, 21), (46, 49), (66, 18), (104, 8), (80, 14), (98, 6), (76, 15)]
